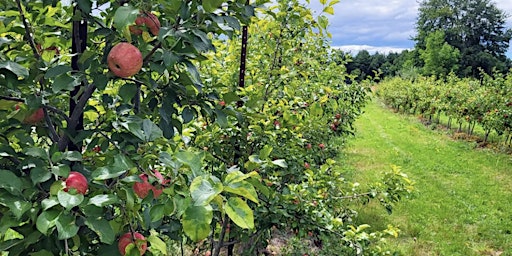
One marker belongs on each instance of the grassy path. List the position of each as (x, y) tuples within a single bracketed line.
[(463, 203)]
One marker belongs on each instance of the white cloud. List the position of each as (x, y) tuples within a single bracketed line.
[(353, 49), (379, 25)]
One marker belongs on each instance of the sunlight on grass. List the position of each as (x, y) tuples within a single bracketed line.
[(463, 198)]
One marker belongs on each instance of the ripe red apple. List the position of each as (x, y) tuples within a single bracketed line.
[(126, 239), (338, 116), (306, 165), (321, 146), (124, 60), (222, 103), (142, 189), (35, 117), (308, 146), (146, 19), (77, 181)]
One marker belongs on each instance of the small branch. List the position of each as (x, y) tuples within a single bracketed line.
[(57, 111), (158, 46), (28, 34), (11, 98), (53, 133), (220, 244), (75, 116)]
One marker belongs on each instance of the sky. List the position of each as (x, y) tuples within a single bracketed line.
[(380, 25)]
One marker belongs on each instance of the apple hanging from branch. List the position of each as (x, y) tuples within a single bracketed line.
[(148, 20), (77, 181), (135, 238), (124, 60)]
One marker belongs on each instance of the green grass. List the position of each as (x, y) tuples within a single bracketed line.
[(463, 202)]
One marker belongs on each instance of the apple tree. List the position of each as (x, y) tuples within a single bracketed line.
[(132, 127)]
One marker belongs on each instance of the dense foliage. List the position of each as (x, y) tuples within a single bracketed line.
[(186, 151), (476, 28), (485, 102)]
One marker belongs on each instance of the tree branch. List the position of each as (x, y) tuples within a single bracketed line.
[(28, 33), (75, 115)]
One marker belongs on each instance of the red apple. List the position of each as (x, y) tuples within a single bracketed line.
[(142, 189), (321, 146), (222, 103), (139, 242), (308, 146), (124, 60), (338, 116), (146, 19), (77, 181), (306, 165), (34, 118)]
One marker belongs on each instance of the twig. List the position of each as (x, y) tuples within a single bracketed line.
[(74, 117), (28, 33), (146, 59), (11, 98)]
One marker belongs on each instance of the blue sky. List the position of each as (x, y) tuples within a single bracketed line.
[(379, 25)]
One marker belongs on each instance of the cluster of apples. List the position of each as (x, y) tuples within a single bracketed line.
[(124, 59), (77, 181)]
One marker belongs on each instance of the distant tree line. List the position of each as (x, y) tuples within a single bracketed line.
[(466, 38)]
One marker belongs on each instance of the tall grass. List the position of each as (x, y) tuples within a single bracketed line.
[(463, 203)]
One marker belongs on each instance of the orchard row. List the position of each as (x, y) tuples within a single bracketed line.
[(486, 102), (134, 129)]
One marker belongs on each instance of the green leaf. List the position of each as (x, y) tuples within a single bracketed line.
[(15, 68), (61, 170), (187, 115), (64, 82), (48, 203), (102, 228), (85, 5), (124, 16), (128, 91), (72, 156), (10, 182), (158, 244), (265, 152), (39, 175), (237, 176), (196, 221), (57, 70), (104, 200), (151, 131), (243, 188), (157, 212), (17, 205), (238, 211), (230, 97), (280, 163), (122, 162), (329, 10), (66, 226), (222, 118), (36, 152), (323, 21), (105, 173), (211, 5), (68, 200), (46, 220), (193, 160), (203, 189)]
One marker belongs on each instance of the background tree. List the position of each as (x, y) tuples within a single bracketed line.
[(439, 57), (477, 28)]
